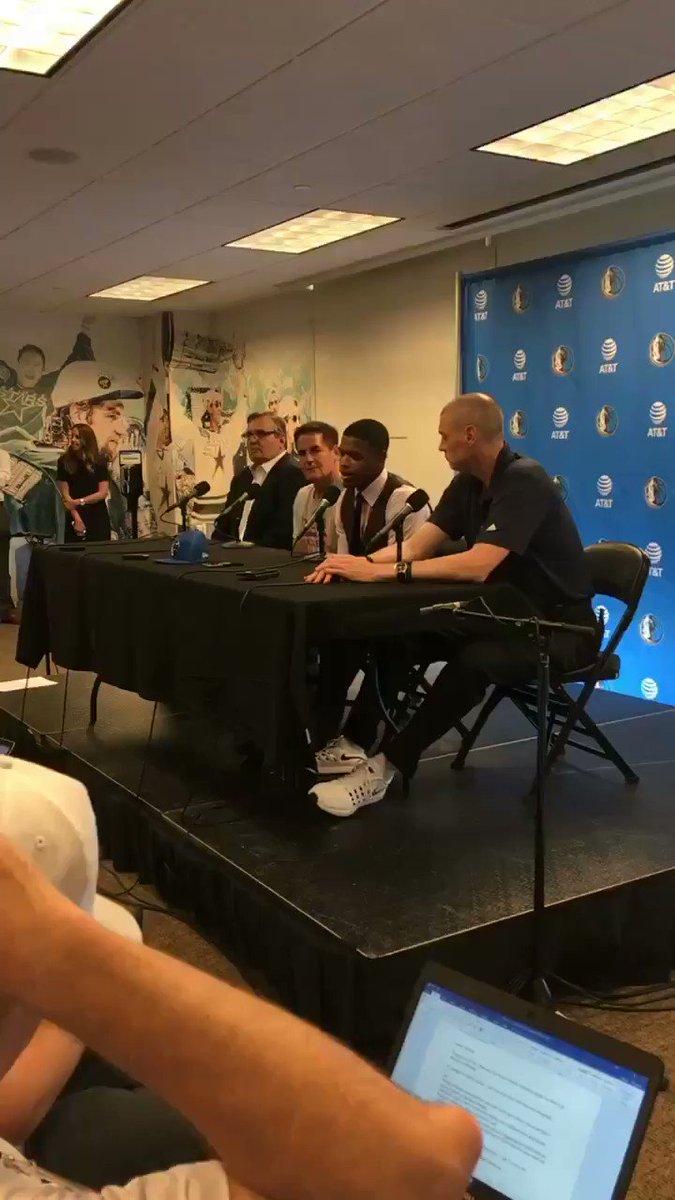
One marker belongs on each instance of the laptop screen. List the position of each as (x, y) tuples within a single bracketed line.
[(556, 1119)]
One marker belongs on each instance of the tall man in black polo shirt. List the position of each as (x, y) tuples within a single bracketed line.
[(517, 530)]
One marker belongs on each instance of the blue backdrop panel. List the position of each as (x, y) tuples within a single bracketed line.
[(580, 353)]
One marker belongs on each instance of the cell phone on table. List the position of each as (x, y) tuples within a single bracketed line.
[(224, 563), (262, 573), (6, 747), (136, 556)]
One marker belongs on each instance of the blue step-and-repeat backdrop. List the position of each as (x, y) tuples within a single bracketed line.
[(580, 353)]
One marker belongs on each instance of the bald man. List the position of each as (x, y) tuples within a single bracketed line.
[(518, 530)]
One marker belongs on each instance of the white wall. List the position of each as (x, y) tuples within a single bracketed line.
[(384, 342)]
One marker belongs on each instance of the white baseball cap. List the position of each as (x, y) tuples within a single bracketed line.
[(49, 816), (92, 383)]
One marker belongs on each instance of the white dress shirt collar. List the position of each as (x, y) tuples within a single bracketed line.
[(261, 472)]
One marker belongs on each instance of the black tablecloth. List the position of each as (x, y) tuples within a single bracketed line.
[(203, 636)]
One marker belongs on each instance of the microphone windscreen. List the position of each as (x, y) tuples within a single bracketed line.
[(202, 488), (417, 500), (332, 494)]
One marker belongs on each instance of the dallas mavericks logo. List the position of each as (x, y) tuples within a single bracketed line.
[(480, 305), (613, 282), (605, 486), (661, 350), (664, 266), (656, 492), (562, 485), (520, 300), (651, 630), (564, 285), (607, 421), (518, 424), (562, 360), (649, 689), (482, 367)]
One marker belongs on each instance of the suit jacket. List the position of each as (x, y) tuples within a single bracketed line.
[(270, 521)]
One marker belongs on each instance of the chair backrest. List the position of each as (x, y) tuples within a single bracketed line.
[(619, 570)]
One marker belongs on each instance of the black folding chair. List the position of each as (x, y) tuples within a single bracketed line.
[(620, 571)]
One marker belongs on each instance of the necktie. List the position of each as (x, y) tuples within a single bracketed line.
[(355, 541)]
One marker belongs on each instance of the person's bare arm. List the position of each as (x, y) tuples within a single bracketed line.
[(36, 1079), (290, 1113), (422, 544)]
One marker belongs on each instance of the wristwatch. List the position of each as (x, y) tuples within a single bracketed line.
[(403, 572)]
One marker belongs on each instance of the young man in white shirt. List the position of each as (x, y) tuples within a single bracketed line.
[(316, 448), (373, 495), (287, 1111)]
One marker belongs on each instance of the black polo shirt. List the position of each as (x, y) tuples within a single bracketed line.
[(521, 510)]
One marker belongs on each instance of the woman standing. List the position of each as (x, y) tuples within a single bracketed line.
[(82, 477)]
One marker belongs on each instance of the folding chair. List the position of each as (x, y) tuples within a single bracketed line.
[(620, 571)]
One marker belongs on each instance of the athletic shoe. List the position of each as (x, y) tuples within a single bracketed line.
[(366, 785), (339, 757)]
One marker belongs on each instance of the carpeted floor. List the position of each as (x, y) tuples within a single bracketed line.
[(655, 1175)]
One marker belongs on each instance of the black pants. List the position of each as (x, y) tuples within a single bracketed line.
[(386, 665), (6, 604), (473, 663), (105, 1130)]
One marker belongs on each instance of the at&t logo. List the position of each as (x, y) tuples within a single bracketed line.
[(564, 286), (602, 614), (608, 350), (520, 363), (607, 421), (658, 414), (605, 488), (656, 492), (482, 367), (480, 305), (560, 419), (664, 269), (651, 630), (649, 689), (518, 424), (654, 554)]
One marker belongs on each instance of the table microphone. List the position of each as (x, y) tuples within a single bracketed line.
[(330, 496), (414, 503), (200, 489), (253, 490)]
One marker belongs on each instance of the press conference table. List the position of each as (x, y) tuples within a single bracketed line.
[(202, 636)]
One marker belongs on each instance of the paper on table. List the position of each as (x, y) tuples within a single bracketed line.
[(17, 685)]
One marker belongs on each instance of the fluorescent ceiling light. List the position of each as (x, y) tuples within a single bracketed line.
[(312, 230), (632, 116), (148, 287), (36, 34)]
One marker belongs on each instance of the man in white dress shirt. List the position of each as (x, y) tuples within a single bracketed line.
[(266, 520), (316, 448), (373, 495)]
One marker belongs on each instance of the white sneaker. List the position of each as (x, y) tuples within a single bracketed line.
[(339, 757), (366, 785)]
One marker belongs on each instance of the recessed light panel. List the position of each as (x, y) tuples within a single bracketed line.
[(36, 34), (148, 287), (632, 116), (312, 230)]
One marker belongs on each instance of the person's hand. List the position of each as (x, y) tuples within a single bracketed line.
[(79, 525), (346, 566), (72, 505), (319, 574)]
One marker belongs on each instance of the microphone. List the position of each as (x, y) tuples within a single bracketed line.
[(331, 494), (200, 489), (253, 490), (414, 503), (449, 606)]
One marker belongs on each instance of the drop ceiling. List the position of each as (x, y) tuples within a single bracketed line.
[(198, 123)]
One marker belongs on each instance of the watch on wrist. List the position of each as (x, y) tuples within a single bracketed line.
[(403, 572)]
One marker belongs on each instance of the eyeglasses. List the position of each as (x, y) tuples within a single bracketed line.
[(260, 433)]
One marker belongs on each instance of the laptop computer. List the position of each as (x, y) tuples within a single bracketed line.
[(563, 1109)]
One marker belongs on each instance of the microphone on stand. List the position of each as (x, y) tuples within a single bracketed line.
[(416, 501), (200, 489), (251, 492), (331, 495)]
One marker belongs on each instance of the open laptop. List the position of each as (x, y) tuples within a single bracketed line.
[(563, 1109)]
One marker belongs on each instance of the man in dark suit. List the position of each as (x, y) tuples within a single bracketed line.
[(267, 520)]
